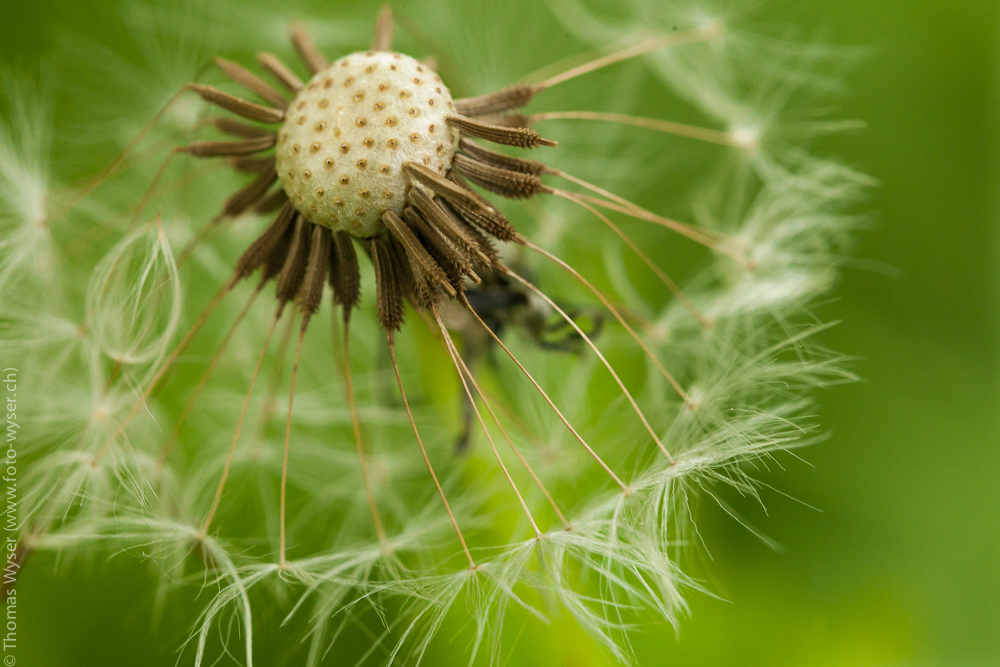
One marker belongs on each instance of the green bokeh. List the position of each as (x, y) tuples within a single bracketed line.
[(901, 564)]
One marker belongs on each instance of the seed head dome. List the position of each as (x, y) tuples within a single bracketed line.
[(349, 132)]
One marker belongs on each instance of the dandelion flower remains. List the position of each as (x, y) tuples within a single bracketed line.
[(374, 150), (371, 161)]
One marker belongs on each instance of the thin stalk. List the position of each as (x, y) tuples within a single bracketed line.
[(239, 427), (552, 405), (282, 563), (356, 424), (670, 127), (423, 452), (600, 355), (203, 382), (618, 316), (459, 365), (635, 51)]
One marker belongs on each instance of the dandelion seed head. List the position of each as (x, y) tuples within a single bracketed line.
[(770, 221), (349, 132)]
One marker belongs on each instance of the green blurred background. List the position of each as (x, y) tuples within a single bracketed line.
[(897, 561)]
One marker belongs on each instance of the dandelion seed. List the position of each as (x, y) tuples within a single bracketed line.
[(369, 165)]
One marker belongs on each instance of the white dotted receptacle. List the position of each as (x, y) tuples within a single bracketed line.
[(348, 133)]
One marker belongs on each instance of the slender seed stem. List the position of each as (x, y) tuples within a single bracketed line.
[(195, 241), (161, 172), (635, 51), (705, 237), (168, 447), (600, 355), (274, 382), (670, 127), (239, 427), (282, 563), (703, 320), (517, 452), (423, 451), (459, 365), (618, 316), (356, 424), (123, 156), (552, 405)]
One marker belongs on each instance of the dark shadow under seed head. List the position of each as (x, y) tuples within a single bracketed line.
[(447, 254), (440, 216), (277, 255)]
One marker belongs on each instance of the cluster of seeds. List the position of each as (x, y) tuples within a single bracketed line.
[(349, 132), (372, 150)]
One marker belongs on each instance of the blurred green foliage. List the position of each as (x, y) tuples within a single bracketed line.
[(892, 555)]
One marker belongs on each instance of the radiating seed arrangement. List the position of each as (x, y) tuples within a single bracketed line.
[(373, 153), (369, 165)]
